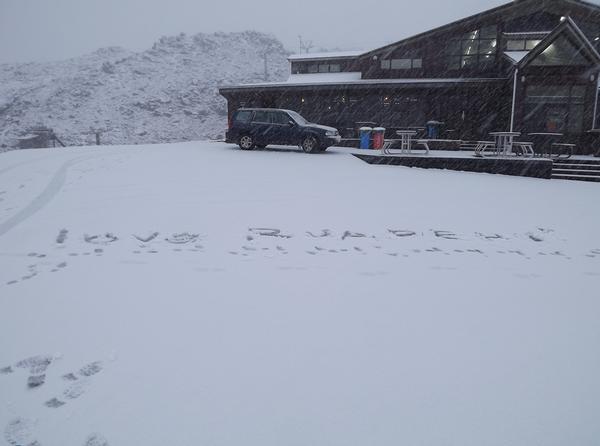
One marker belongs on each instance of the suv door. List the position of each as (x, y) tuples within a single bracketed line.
[(262, 128), (282, 130)]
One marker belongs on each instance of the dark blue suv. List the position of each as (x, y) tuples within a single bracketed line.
[(259, 127)]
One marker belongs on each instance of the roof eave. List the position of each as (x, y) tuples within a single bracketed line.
[(363, 82), (440, 29), (567, 24)]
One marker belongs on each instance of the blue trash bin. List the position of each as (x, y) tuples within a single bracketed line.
[(433, 129), (365, 137)]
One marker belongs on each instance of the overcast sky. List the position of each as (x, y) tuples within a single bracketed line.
[(42, 30)]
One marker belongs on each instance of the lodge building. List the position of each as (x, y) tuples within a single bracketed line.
[(528, 66)]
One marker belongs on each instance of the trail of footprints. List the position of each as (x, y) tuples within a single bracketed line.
[(76, 382), (20, 431), (271, 242)]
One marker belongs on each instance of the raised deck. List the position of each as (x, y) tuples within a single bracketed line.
[(524, 167)]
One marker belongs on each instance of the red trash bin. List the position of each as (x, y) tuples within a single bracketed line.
[(378, 138)]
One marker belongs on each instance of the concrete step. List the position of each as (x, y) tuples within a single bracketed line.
[(578, 165), (575, 177), (587, 172), (588, 163)]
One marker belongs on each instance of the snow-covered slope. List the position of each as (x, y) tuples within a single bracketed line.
[(168, 93), (197, 294)]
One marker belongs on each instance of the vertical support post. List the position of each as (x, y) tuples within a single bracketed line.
[(595, 119), (514, 100), (97, 138)]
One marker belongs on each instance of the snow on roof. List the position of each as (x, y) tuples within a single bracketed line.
[(325, 77), (516, 56), (358, 82), (331, 55)]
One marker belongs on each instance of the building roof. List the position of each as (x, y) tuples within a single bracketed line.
[(328, 55), (499, 11), (537, 4)]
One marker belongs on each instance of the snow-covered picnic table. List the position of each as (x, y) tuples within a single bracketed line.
[(407, 142)]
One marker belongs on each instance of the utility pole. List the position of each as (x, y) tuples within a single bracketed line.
[(266, 67), (305, 47)]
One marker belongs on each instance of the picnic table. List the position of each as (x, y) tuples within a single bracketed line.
[(546, 145), (407, 142), (543, 142), (504, 141), (406, 139), (504, 144)]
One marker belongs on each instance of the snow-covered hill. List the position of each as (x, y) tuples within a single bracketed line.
[(168, 93)]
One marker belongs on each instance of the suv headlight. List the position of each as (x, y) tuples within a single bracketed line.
[(331, 133)]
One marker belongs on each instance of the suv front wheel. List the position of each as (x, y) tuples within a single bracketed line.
[(246, 142), (310, 144)]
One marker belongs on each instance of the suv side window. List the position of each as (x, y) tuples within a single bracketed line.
[(280, 118), (242, 117), (262, 117)]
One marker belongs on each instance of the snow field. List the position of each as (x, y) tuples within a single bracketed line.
[(197, 294)]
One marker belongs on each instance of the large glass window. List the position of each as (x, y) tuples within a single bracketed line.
[(473, 49), (555, 108), (401, 64), (521, 44), (562, 52), (315, 67)]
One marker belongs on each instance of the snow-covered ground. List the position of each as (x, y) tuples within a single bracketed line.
[(195, 294)]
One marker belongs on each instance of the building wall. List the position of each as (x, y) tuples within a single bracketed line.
[(469, 111)]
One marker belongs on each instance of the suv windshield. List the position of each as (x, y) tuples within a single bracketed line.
[(296, 117)]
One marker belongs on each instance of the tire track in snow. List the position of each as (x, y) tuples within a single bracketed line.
[(39, 202), (22, 163)]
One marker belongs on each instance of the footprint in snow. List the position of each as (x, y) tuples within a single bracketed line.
[(91, 369), (36, 366), (19, 432), (102, 239), (448, 235), (183, 238), (351, 234), (78, 384), (54, 403), (62, 236), (96, 440), (146, 239), (268, 232), (535, 238), (324, 233)]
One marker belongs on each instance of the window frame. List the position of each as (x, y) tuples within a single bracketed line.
[(479, 47), (256, 114)]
